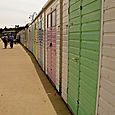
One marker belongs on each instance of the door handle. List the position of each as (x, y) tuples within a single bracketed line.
[(75, 59), (50, 44)]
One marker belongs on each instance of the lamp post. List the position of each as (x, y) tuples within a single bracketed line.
[(33, 16)]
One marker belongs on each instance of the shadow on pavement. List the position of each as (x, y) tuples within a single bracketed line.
[(56, 100)]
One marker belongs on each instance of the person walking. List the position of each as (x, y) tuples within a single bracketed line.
[(11, 38), (5, 40)]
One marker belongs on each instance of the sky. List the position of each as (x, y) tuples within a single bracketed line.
[(17, 12)]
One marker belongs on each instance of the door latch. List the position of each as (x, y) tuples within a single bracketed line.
[(50, 44), (75, 59)]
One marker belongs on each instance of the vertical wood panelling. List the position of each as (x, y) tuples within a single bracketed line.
[(57, 44), (73, 49), (65, 50)]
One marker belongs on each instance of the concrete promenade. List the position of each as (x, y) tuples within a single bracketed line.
[(24, 88)]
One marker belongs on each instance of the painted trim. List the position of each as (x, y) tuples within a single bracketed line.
[(44, 41), (100, 57), (68, 50), (48, 3), (79, 58), (61, 46)]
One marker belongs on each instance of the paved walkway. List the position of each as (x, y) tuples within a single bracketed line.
[(23, 90)]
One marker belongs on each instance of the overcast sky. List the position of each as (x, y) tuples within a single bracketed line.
[(17, 12)]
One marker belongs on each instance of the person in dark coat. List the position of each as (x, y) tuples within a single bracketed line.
[(5, 40), (11, 39)]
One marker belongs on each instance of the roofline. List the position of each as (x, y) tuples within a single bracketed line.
[(42, 10)]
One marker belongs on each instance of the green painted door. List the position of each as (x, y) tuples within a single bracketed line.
[(83, 75), (74, 49)]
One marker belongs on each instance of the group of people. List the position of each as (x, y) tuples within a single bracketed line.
[(8, 39)]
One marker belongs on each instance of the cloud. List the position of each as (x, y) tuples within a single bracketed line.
[(17, 12)]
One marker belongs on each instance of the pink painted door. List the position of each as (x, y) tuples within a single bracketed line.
[(49, 52), (51, 46)]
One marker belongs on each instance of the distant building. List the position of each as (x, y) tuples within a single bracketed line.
[(14, 31)]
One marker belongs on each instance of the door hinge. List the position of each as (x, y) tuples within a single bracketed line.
[(78, 102), (81, 7), (67, 89), (69, 10)]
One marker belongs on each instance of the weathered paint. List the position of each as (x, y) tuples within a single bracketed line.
[(49, 52), (106, 104), (28, 39), (41, 43), (36, 39), (30, 34), (53, 43), (74, 47), (65, 50), (33, 38), (84, 49), (57, 2), (43, 32), (89, 58), (38, 42), (53, 68), (45, 42)]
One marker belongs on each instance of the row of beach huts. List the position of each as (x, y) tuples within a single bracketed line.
[(74, 43)]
